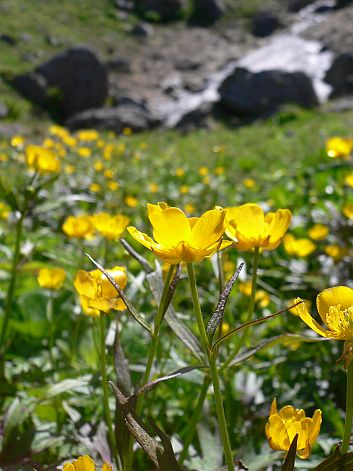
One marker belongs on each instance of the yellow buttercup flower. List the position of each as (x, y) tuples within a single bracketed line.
[(131, 201), (17, 141), (70, 169), (95, 187), (78, 226), (284, 425), (261, 296), (96, 290), (84, 152), (179, 172), (111, 227), (153, 187), (5, 210), (51, 278), (182, 239), (249, 227), (41, 159), (85, 463), (113, 186), (249, 183), (203, 171), (184, 189), (335, 307), (339, 147), (348, 210), (349, 180), (108, 173), (336, 252), (98, 166), (88, 311), (219, 170), (87, 135), (318, 232), (298, 247)]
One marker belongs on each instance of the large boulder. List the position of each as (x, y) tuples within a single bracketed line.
[(264, 24), (297, 5), (128, 115), (340, 75), (160, 10), (70, 82), (206, 12), (248, 93)]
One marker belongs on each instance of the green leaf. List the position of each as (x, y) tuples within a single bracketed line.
[(337, 462), (290, 458), (67, 385)]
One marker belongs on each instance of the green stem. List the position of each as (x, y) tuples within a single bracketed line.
[(49, 312), (194, 420), (349, 410), (12, 284), (103, 366), (213, 369), (251, 307), (151, 356)]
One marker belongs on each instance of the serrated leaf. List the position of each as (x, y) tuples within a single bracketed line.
[(217, 316), (175, 374)]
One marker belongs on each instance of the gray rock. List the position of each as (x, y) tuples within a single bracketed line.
[(26, 37), (72, 81), (206, 12), (142, 29), (4, 111), (196, 118), (125, 5), (340, 75), (264, 24), (128, 115), (8, 39), (160, 10), (297, 5), (119, 64), (343, 3), (254, 94)]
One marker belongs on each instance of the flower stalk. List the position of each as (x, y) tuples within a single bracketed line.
[(211, 357), (349, 411)]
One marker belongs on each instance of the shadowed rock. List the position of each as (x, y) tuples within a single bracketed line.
[(206, 12), (72, 81), (340, 75), (254, 94)]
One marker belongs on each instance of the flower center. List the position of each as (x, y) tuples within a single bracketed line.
[(340, 322)]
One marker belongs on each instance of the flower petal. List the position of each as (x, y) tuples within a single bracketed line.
[(208, 229), (278, 225), (246, 222), (309, 321), (339, 295), (141, 237), (170, 226)]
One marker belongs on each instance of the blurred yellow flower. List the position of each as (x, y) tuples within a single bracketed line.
[(153, 187), (84, 152), (111, 227), (78, 226), (318, 232), (184, 189), (70, 141), (51, 278), (107, 152), (189, 208), (182, 239), (127, 131), (249, 227), (100, 143), (97, 291), (219, 170), (335, 307), (113, 186), (5, 210), (98, 166), (261, 296), (298, 247), (108, 173), (3, 158), (203, 171), (249, 183), (349, 180), (121, 148), (131, 201), (85, 463), (70, 169), (48, 143), (58, 131), (87, 135), (284, 425), (339, 147), (179, 172), (95, 187), (17, 141), (143, 145), (336, 252), (42, 160), (348, 210)]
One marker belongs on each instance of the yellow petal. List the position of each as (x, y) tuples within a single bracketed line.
[(309, 321), (170, 226), (141, 237), (277, 434), (208, 229), (248, 221), (278, 225), (339, 295), (273, 409), (107, 467), (315, 426), (85, 284)]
